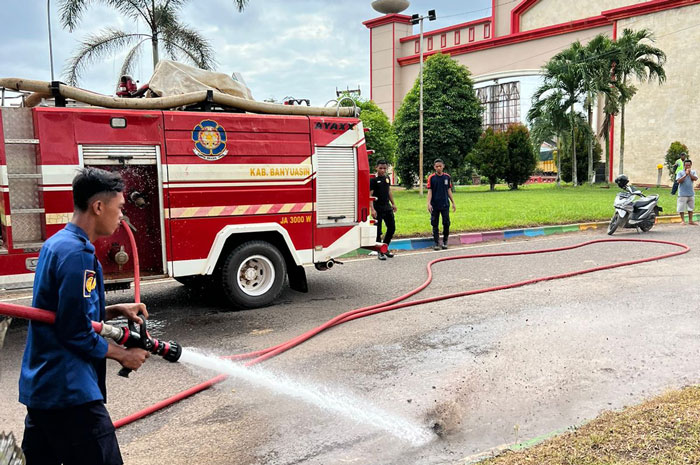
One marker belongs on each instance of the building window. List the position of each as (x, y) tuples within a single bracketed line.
[(471, 34), (487, 31), (430, 43), (456, 37), (501, 105), (417, 47), (443, 40)]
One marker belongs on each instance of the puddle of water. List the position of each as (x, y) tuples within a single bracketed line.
[(155, 327), (338, 402)]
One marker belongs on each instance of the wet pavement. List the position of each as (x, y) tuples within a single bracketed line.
[(484, 370)]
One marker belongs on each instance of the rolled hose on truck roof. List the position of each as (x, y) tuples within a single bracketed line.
[(46, 89)]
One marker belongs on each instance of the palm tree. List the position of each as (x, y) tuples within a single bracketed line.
[(563, 82), (597, 62), (549, 122), (635, 57), (161, 17)]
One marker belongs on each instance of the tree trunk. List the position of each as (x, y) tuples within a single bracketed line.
[(607, 157), (591, 171), (574, 177), (622, 140), (558, 161), (154, 46), (492, 183)]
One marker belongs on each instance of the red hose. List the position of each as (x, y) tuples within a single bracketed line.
[(137, 270), (35, 314), (262, 355)]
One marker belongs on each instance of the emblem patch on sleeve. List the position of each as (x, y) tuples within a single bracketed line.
[(89, 282)]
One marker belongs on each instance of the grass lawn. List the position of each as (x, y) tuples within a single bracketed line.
[(478, 209), (663, 431)]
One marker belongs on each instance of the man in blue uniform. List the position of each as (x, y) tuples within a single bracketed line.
[(439, 198), (62, 381)]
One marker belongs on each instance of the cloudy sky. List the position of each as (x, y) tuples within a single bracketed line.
[(299, 48)]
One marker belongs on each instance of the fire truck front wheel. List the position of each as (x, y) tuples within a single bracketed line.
[(253, 274)]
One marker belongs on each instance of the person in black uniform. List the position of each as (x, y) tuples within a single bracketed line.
[(62, 381), (439, 198), (384, 207)]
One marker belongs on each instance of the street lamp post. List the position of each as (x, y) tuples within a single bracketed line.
[(48, 17), (418, 19)]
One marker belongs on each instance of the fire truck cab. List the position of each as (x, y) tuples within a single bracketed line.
[(238, 201)]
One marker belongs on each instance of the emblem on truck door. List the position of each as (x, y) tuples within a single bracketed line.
[(209, 140)]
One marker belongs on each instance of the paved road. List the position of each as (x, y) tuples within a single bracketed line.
[(489, 369)]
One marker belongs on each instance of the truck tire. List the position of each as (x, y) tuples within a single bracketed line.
[(253, 274)]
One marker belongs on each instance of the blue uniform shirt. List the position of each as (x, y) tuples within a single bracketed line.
[(64, 363), (440, 185)]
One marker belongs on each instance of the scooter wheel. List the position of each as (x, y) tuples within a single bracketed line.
[(647, 225), (614, 223)]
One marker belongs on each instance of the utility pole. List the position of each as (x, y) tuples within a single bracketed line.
[(418, 19)]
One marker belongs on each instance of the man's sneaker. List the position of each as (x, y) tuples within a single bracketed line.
[(436, 246), (389, 254), (381, 256), (444, 246)]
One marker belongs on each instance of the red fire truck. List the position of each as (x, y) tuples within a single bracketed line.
[(237, 200)]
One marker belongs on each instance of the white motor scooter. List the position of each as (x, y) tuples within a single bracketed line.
[(630, 213)]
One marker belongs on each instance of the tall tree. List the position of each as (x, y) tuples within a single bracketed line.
[(451, 122), (636, 57), (381, 137), (563, 79), (549, 122), (161, 18)]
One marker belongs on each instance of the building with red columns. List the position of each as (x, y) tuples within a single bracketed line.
[(505, 52)]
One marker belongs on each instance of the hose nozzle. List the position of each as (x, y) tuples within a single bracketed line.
[(132, 337), (170, 351)]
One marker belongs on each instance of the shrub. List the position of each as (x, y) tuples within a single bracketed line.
[(581, 161), (522, 159), (490, 155), (672, 154)]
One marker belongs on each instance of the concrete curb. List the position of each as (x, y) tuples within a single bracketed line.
[(486, 236)]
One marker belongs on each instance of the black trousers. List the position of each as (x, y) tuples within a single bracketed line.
[(387, 217), (435, 221), (80, 435), (674, 189)]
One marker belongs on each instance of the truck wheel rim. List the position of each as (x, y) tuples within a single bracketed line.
[(256, 274)]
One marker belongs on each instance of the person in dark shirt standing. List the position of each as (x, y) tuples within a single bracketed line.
[(384, 207), (62, 381), (439, 198)]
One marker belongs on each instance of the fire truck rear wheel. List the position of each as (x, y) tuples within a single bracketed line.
[(253, 274)]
